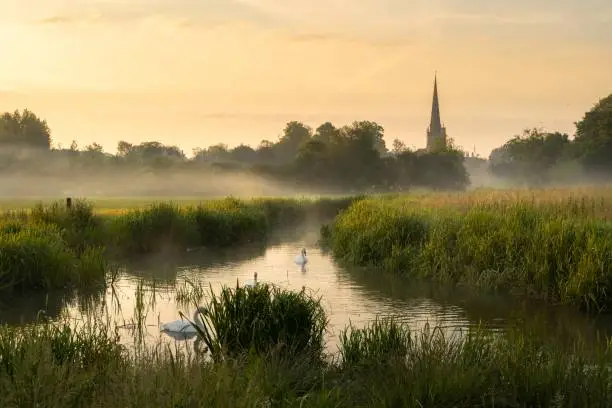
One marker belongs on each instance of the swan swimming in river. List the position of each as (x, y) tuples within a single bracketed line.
[(301, 258), (251, 283), (183, 327)]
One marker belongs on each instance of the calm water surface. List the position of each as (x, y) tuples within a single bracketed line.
[(349, 296)]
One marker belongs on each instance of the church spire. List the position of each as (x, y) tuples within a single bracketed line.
[(436, 133), (435, 125)]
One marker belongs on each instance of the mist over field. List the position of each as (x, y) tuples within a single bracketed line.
[(354, 158), (143, 184)]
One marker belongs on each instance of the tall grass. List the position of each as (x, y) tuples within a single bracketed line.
[(555, 251), (262, 318), (383, 341), (36, 256), (478, 369), (53, 365), (152, 229), (53, 246), (214, 223), (80, 227)]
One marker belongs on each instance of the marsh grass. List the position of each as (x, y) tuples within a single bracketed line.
[(36, 256), (213, 224), (384, 364), (189, 293), (554, 251), (152, 229), (384, 340), (52, 246), (80, 227), (260, 319), (229, 222), (480, 368)]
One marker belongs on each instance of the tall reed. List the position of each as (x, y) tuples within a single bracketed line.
[(539, 249), (54, 246), (213, 223), (36, 256), (385, 364), (55, 364), (262, 318)]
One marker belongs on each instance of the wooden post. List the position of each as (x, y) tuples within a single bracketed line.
[(68, 203)]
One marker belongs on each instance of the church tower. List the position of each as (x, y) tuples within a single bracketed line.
[(436, 133)]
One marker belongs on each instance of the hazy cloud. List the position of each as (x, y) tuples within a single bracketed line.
[(184, 13), (368, 40), (56, 20), (376, 22)]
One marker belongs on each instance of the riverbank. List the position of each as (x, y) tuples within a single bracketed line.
[(555, 245), (280, 363), (52, 246)]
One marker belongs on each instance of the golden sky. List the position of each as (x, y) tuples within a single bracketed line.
[(199, 72)]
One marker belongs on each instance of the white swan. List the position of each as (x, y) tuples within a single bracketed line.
[(182, 327), (251, 283), (301, 258)]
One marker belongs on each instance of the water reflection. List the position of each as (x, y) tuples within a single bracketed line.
[(496, 311), (164, 269), (25, 309), (146, 294)]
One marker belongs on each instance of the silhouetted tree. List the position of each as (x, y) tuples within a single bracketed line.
[(354, 156), (294, 136), (531, 156), (24, 129), (594, 138)]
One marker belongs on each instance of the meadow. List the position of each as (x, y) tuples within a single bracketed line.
[(554, 244), (264, 349)]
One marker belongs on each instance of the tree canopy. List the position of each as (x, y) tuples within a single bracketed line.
[(24, 129), (353, 156), (540, 157), (594, 138)]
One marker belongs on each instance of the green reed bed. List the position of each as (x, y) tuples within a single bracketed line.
[(260, 319), (38, 256), (542, 250), (217, 224), (214, 223), (383, 364), (53, 246)]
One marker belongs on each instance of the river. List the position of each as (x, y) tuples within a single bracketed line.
[(349, 295)]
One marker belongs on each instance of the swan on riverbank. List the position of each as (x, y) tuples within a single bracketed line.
[(301, 258), (251, 283), (184, 327)]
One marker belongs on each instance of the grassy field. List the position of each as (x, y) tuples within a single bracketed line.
[(266, 349), (556, 244), (121, 205)]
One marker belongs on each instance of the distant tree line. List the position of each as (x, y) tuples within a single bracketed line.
[(539, 157), (353, 156), (349, 157)]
